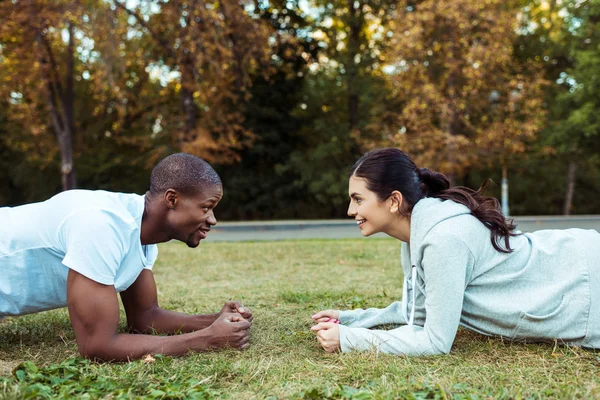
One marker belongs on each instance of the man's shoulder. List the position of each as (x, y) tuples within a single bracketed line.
[(93, 197), (126, 206), (101, 210)]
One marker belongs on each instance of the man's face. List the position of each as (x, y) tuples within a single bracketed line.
[(191, 217)]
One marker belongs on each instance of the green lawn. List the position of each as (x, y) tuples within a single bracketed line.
[(285, 283)]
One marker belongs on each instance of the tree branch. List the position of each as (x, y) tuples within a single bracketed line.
[(53, 66), (144, 25), (69, 94)]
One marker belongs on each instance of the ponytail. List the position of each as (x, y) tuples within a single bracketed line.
[(432, 183), (485, 208)]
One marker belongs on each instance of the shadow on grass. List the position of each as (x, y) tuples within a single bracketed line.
[(34, 329)]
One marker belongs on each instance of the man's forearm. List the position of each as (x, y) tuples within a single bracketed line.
[(125, 347), (170, 322)]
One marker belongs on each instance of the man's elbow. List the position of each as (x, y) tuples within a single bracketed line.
[(93, 353), (96, 350)]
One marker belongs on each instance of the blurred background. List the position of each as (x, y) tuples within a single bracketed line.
[(283, 96)]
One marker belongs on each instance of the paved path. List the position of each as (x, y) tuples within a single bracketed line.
[(338, 229)]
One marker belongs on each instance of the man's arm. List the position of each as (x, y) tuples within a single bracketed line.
[(94, 312), (145, 316)]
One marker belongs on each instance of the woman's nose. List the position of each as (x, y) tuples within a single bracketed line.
[(351, 210)]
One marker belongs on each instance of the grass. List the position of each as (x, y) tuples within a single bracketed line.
[(285, 283)]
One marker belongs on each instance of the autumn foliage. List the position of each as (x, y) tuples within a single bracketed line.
[(283, 96), (463, 97)]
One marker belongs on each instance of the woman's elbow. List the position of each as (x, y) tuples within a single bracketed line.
[(441, 348)]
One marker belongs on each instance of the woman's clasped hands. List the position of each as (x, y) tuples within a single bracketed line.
[(327, 329)]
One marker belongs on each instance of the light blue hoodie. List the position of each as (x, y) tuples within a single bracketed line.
[(453, 275)]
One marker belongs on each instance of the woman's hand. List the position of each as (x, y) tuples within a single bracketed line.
[(327, 316), (328, 334)]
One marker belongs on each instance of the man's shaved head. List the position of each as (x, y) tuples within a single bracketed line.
[(185, 173)]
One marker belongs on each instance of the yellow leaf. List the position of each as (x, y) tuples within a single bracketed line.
[(149, 359)]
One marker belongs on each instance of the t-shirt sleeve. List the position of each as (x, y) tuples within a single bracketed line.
[(95, 243), (151, 256)]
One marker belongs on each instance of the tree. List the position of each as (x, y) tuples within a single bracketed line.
[(76, 68), (342, 92), (463, 96), (210, 49), (38, 56), (577, 135), (259, 186), (562, 35)]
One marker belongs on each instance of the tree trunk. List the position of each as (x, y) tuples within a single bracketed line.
[(61, 101), (67, 167), (570, 188), (504, 191)]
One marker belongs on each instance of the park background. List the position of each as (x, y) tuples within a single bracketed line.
[(283, 96)]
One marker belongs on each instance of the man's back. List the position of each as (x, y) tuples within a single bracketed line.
[(96, 233)]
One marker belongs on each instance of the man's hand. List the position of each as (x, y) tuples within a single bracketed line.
[(236, 307), (328, 334), (327, 316), (229, 330)]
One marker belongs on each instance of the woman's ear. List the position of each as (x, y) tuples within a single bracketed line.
[(396, 204)]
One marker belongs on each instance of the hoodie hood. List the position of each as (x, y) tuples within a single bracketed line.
[(426, 214)]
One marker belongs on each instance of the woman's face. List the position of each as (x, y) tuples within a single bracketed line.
[(371, 214)]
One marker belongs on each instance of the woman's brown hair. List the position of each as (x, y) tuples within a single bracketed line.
[(389, 169)]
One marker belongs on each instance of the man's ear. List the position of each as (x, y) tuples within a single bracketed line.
[(396, 204), (171, 198)]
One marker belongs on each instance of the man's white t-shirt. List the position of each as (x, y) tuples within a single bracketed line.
[(95, 233)]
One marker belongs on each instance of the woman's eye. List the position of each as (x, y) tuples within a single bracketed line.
[(358, 201)]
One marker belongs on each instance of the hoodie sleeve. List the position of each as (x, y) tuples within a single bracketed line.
[(360, 318), (445, 263)]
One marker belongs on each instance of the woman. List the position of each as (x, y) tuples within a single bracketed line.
[(464, 264)]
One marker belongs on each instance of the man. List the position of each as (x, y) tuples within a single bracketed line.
[(80, 248)]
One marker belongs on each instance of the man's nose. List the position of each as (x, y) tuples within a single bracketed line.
[(211, 220)]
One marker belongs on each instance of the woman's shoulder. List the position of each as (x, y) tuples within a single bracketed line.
[(434, 217), (463, 234)]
